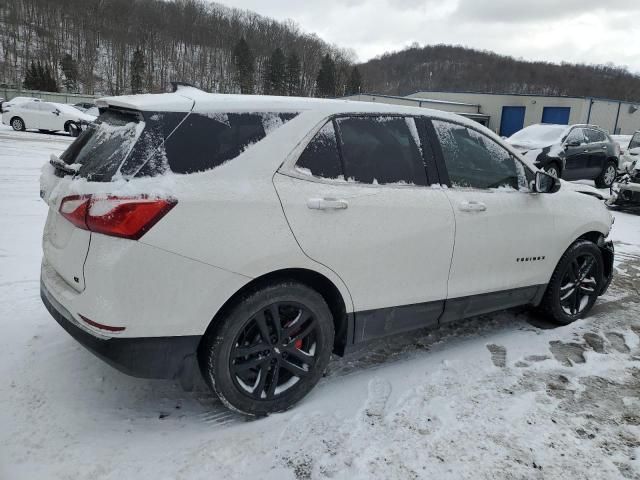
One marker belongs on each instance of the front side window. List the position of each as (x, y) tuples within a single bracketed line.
[(475, 161), (381, 150), (575, 136), (321, 158), (635, 141)]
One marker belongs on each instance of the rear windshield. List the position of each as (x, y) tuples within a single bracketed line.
[(127, 144)]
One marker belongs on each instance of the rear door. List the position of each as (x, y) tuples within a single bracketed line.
[(502, 234), (358, 201), (598, 154)]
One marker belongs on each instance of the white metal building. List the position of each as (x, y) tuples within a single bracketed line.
[(506, 114)]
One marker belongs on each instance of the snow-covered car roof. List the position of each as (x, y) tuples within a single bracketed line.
[(187, 99), (191, 99)]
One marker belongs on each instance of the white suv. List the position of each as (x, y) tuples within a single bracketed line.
[(257, 235)]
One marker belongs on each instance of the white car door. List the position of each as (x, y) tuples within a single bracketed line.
[(50, 117), (30, 113), (358, 203), (504, 250)]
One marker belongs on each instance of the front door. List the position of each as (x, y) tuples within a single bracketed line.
[(502, 231), (577, 155), (366, 211)]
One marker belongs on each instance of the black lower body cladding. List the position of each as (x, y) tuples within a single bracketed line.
[(143, 357)]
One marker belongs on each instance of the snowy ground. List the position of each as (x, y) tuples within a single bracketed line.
[(500, 396)]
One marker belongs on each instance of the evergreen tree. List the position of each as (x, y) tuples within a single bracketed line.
[(31, 77), (244, 65), (70, 71), (49, 83), (354, 85), (293, 74), (326, 81), (40, 77), (137, 71), (276, 77)]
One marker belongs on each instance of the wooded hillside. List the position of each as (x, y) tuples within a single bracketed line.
[(452, 68), (120, 46)]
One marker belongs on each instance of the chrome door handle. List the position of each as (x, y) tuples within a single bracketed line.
[(472, 206), (326, 204)]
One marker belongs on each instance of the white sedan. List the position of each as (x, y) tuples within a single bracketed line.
[(46, 116)]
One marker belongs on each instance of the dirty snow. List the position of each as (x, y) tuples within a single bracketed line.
[(499, 396)]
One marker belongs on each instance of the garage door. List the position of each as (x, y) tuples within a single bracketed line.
[(557, 115), (512, 120)]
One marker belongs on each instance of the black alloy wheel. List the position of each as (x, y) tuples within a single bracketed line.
[(575, 284), (269, 348), (275, 350), (579, 285)]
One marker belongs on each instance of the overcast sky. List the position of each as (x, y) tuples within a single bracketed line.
[(591, 31)]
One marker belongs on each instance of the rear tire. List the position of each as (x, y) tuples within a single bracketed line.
[(269, 350), (608, 175), (18, 124), (575, 284)]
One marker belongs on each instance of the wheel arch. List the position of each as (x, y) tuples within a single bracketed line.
[(342, 320), (17, 116), (67, 123)]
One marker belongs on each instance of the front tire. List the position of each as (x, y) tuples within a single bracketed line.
[(73, 129), (18, 124), (575, 284), (608, 175), (553, 170), (269, 350)]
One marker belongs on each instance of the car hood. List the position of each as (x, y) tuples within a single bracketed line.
[(526, 145), (586, 189)]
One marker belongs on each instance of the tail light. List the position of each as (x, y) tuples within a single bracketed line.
[(125, 217)]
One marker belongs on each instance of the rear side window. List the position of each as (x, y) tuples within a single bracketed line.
[(474, 160), (205, 142), (381, 150), (594, 136), (321, 158), (144, 144)]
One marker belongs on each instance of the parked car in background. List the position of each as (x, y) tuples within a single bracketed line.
[(46, 117), (629, 151), (576, 152), (84, 106), (16, 101), (265, 233)]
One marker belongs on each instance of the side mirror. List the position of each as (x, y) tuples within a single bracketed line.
[(635, 151), (573, 143), (545, 183)]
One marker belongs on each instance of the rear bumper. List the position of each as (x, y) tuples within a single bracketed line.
[(144, 357)]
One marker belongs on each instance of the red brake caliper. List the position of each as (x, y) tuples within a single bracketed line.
[(298, 343)]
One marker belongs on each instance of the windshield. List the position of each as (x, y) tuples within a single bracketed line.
[(539, 134)]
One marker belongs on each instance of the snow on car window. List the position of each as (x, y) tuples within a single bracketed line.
[(206, 141), (413, 129), (380, 148), (474, 160), (320, 158)]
